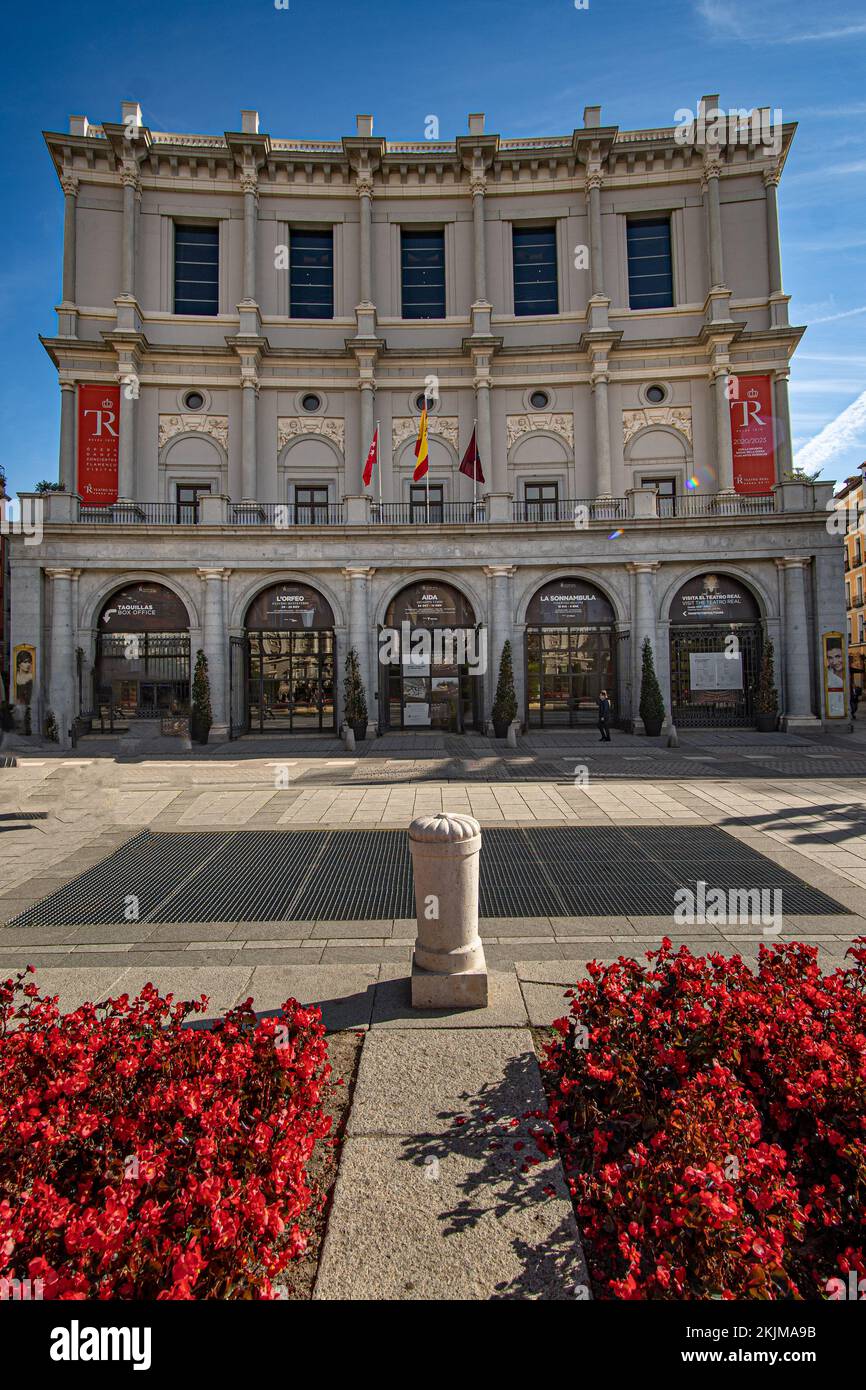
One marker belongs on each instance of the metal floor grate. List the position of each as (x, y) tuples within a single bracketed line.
[(366, 875)]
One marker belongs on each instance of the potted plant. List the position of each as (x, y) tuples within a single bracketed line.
[(505, 704), (354, 699), (652, 706), (767, 697), (202, 716)]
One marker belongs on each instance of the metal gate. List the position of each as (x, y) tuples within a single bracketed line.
[(238, 661), (705, 709), (623, 705)]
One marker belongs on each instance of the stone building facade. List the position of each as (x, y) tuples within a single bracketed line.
[(252, 309), (851, 500)]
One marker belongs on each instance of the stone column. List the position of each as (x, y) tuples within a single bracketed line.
[(368, 409), (131, 191), (249, 402), (69, 184), (596, 260), (712, 207), (214, 641), (364, 187), (61, 684), (798, 646), (67, 435), (782, 423), (250, 187), (126, 448), (644, 626), (599, 381), (722, 415), (500, 622), (359, 634), (448, 966), (774, 252), (478, 186)]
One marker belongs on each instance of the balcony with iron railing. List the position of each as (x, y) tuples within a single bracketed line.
[(640, 505)]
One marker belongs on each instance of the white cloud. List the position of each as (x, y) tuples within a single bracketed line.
[(847, 31), (847, 430), (845, 314)]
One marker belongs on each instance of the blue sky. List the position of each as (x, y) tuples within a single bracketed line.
[(531, 65)]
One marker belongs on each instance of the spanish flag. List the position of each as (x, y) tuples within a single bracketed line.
[(372, 459), (421, 454)]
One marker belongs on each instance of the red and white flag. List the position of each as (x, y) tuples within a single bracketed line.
[(372, 458)]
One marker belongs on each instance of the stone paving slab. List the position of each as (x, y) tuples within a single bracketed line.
[(392, 1006), (423, 1205)]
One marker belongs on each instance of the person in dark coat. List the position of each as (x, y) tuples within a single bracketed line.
[(604, 716)]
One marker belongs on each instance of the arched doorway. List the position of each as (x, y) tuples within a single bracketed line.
[(428, 647), (715, 642), (142, 655), (290, 660), (570, 654)]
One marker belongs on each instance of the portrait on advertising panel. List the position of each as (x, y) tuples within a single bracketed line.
[(834, 675), (23, 673)]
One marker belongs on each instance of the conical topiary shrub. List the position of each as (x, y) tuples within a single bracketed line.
[(767, 696), (505, 704), (354, 698), (652, 706), (202, 715)]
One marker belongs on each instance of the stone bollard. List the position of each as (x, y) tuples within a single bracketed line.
[(348, 739), (513, 732), (673, 737), (448, 966)]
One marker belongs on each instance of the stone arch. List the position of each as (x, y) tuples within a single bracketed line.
[(767, 607), (561, 452), (212, 463), (617, 601), (679, 447), (94, 604), (311, 437), (242, 600), (461, 584)]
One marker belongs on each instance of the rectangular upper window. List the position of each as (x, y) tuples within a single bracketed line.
[(536, 290), (311, 275), (196, 269), (650, 277), (422, 274)]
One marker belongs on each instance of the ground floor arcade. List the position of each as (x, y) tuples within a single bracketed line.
[(111, 644)]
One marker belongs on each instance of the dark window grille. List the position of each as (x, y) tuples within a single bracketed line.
[(422, 265), (536, 290), (650, 275), (311, 276), (196, 269)]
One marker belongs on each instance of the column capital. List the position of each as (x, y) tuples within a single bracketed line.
[(67, 385), (70, 184), (594, 177), (129, 176), (478, 184), (364, 183), (790, 562), (642, 566), (500, 571), (213, 572), (772, 177), (712, 169), (599, 378), (250, 182), (358, 572), (61, 572)]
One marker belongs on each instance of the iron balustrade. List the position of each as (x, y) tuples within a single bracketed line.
[(142, 514), (282, 515), (718, 504), (577, 510), (419, 514)]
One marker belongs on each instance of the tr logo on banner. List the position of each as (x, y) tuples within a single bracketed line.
[(98, 444), (752, 434)]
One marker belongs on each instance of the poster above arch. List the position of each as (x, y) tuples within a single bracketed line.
[(714, 598), (569, 603), (144, 607), (287, 607)]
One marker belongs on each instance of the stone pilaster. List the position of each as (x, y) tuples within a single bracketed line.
[(126, 479), (61, 669), (68, 317), (67, 471), (782, 425), (249, 427), (599, 303), (722, 419), (495, 469), (358, 579), (798, 648), (131, 198), (643, 626), (250, 189), (719, 295), (599, 383), (500, 625), (214, 645), (778, 299)]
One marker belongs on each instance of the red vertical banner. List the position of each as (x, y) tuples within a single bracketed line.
[(98, 444), (752, 434)]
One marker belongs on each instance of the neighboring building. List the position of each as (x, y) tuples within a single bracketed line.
[(248, 309), (852, 498)]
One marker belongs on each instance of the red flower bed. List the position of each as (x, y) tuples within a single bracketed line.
[(143, 1159), (712, 1123)]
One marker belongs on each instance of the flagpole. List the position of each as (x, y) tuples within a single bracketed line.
[(427, 474), (475, 471), (379, 462)]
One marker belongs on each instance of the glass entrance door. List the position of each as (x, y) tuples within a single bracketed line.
[(291, 681), (442, 696), (566, 670)]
